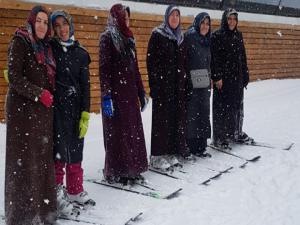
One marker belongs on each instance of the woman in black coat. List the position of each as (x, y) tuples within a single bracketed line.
[(72, 106), (230, 76), (168, 90), (197, 42)]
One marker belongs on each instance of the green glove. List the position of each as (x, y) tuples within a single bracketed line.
[(5, 75), (83, 124)]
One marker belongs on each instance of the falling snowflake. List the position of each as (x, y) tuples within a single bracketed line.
[(279, 33), (19, 162), (46, 201)]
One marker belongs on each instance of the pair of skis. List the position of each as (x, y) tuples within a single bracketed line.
[(130, 188), (254, 158), (171, 175), (80, 220), (286, 147)]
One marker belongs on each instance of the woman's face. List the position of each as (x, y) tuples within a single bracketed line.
[(232, 22), (62, 28), (41, 25), (204, 27), (174, 19), (126, 18)]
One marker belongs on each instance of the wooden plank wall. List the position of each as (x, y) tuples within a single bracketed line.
[(272, 49)]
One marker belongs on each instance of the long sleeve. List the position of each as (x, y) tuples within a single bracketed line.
[(245, 71), (17, 80), (85, 83), (139, 82), (152, 63), (216, 58), (105, 64)]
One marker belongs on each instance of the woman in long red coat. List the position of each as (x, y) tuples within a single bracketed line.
[(30, 196), (122, 94)]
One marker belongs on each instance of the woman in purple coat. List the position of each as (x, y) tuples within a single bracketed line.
[(122, 95)]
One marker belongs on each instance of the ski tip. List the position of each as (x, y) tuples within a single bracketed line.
[(256, 158), (137, 217), (243, 165), (206, 182), (289, 147), (134, 219), (174, 194)]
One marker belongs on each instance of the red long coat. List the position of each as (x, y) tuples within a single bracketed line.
[(123, 133), (30, 193)]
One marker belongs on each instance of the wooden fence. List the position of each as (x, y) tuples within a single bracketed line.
[(272, 49)]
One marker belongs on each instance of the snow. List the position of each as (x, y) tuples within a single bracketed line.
[(266, 192), (160, 10)]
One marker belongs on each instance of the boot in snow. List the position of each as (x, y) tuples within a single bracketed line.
[(81, 198), (160, 162), (65, 208)]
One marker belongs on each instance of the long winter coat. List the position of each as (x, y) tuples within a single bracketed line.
[(71, 97), (169, 91), (30, 193), (229, 64), (198, 59), (124, 140)]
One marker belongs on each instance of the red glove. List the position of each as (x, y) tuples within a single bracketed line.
[(46, 98)]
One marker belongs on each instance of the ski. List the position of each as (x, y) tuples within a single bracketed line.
[(153, 194), (165, 173), (169, 174), (253, 159), (79, 220), (133, 219), (286, 147)]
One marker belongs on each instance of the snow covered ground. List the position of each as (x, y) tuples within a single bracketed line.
[(266, 192)]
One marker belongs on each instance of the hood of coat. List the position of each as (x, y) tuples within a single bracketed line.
[(199, 19), (194, 29), (224, 23)]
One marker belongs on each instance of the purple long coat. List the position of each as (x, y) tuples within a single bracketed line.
[(123, 133)]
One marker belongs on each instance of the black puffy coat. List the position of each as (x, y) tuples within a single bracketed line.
[(71, 97), (198, 57), (229, 64), (169, 90)]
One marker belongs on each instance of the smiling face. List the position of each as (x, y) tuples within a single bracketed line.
[(174, 19), (232, 22), (41, 25), (204, 27), (62, 28)]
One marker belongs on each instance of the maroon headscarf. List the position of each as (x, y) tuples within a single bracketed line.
[(42, 49), (117, 12)]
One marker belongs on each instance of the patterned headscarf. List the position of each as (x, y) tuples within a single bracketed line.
[(165, 28), (41, 47), (122, 36)]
